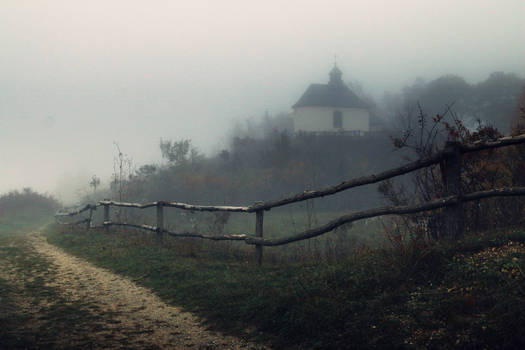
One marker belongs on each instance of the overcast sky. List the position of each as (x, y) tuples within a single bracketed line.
[(75, 76)]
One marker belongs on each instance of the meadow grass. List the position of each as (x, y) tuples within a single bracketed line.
[(10, 225), (35, 314), (416, 295)]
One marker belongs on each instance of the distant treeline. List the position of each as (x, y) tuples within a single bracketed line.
[(257, 169), (266, 160), (493, 101), (26, 203)]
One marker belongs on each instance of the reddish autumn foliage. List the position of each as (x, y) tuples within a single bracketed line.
[(485, 170)]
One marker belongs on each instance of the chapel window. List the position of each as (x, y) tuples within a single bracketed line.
[(338, 120)]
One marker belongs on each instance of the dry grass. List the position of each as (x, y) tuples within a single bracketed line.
[(99, 309)]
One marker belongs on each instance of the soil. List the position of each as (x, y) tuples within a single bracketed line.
[(132, 316)]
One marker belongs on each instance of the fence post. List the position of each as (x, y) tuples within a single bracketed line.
[(160, 222), (451, 173), (90, 218), (106, 217), (259, 219)]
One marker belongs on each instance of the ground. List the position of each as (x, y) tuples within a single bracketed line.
[(101, 290), (51, 299)]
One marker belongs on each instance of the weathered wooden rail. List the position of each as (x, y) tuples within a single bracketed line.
[(449, 159)]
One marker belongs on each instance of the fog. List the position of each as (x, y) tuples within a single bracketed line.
[(76, 77)]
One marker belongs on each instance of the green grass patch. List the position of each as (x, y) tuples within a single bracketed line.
[(10, 319), (469, 294), (21, 224), (33, 313)]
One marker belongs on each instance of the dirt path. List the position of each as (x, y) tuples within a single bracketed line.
[(139, 319)]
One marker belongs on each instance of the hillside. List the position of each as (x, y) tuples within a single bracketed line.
[(410, 295)]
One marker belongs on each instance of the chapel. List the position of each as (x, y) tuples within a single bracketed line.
[(331, 108)]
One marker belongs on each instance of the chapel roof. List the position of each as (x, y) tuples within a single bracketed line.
[(333, 94)]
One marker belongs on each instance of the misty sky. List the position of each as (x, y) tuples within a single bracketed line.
[(75, 76)]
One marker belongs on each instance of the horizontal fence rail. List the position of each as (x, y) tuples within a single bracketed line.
[(390, 210), (388, 174), (83, 221), (178, 205), (333, 224), (449, 159), (78, 211), (231, 237)]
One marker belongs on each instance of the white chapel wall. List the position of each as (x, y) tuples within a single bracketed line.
[(321, 119)]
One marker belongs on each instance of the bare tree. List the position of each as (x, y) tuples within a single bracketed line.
[(95, 182)]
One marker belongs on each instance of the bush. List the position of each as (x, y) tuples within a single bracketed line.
[(26, 204)]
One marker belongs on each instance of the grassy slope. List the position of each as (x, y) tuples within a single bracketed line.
[(33, 313), (21, 224), (469, 296)]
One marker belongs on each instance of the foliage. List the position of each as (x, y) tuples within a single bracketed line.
[(480, 171), (518, 120), (441, 296), (491, 101), (179, 152), (94, 183), (26, 205), (496, 98)]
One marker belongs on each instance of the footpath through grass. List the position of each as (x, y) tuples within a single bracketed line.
[(34, 314), (439, 296)]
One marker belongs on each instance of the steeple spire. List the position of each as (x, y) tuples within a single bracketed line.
[(335, 76)]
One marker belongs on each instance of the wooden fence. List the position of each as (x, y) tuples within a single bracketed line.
[(449, 159)]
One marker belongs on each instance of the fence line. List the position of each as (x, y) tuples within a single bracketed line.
[(449, 159), (389, 210), (333, 224), (78, 211), (83, 221), (178, 205)]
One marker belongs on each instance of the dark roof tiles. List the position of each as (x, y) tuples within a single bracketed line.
[(329, 95)]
